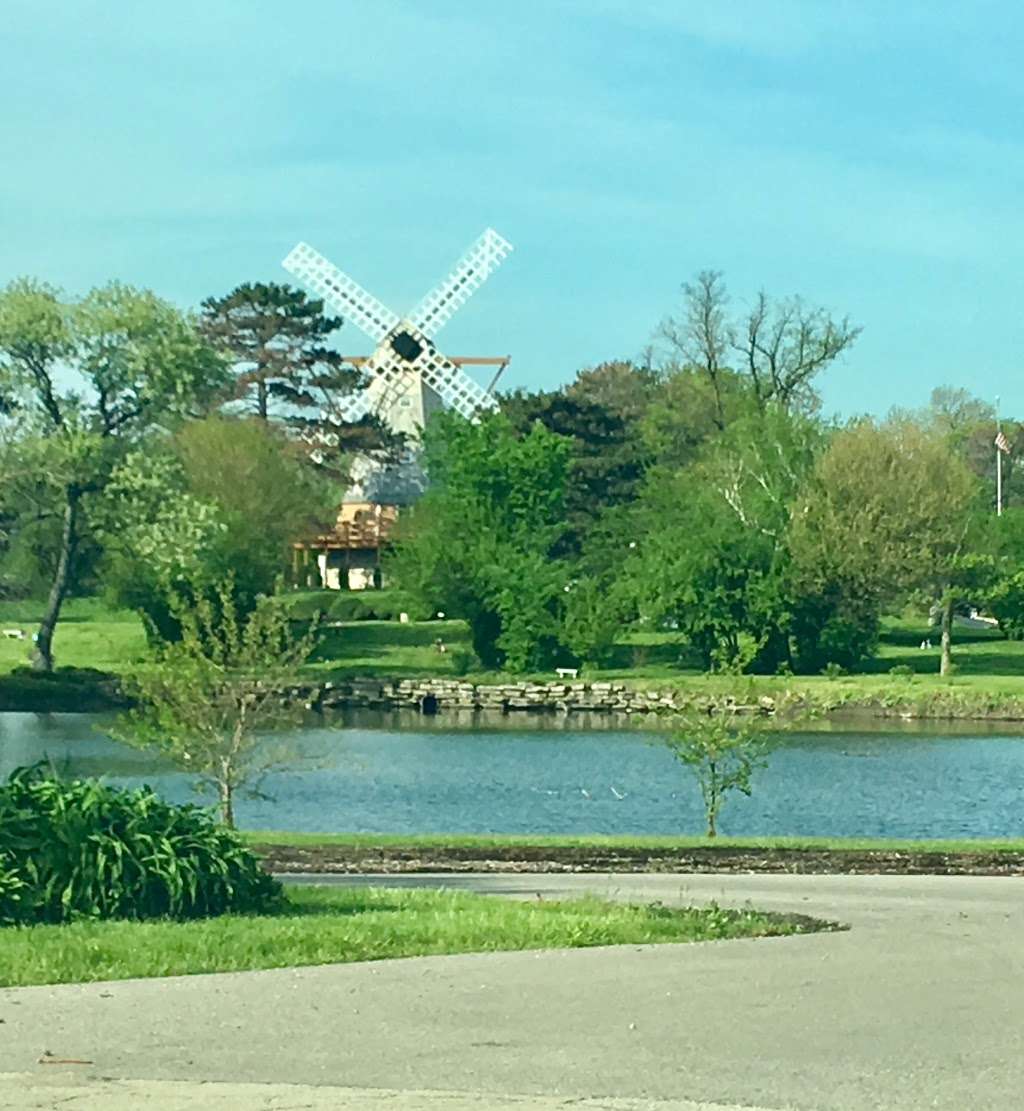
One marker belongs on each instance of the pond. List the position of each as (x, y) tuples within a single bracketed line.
[(381, 773)]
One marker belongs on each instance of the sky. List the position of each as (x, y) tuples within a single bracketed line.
[(867, 156)]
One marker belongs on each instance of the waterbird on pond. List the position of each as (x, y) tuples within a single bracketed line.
[(585, 793), (617, 794)]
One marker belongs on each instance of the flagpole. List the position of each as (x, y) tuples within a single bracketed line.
[(999, 466)]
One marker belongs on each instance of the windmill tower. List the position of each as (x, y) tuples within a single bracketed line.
[(409, 378)]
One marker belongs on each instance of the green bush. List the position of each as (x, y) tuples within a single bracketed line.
[(1006, 602), (464, 661), (83, 849), (354, 605)]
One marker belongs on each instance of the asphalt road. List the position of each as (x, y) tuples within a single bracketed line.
[(919, 1005)]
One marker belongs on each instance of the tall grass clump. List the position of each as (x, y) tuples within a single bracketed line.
[(80, 849)]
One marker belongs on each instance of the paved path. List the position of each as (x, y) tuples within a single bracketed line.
[(919, 1005)]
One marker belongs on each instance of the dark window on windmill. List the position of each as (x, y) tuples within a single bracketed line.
[(406, 346)]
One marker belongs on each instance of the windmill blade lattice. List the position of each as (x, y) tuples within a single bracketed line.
[(470, 272), (455, 388), (338, 290), (405, 358)]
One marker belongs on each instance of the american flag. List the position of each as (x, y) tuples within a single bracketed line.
[(1002, 443)]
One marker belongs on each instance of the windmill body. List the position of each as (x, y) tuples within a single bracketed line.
[(409, 379)]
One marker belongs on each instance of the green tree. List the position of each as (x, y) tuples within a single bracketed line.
[(211, 698), (607, 460), (276, 336), (278, 341), (722, 751), (480, 544), (90, 379), (889, 510), (711, 554), (224, 496), (689, 413)]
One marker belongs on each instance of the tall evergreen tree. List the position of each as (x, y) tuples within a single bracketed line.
[(278, 339)]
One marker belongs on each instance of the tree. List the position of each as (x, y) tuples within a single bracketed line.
[(276, 336), (277, 339), (209, 700), (702, 337), (619, 386), (91, 378), (888, 510), (711, 554), (222, 496), (722, 751), (608, 457), (778, 347), (480, 544), (689, 413)]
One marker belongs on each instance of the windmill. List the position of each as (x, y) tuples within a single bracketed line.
[(409, 377), (408, 380)]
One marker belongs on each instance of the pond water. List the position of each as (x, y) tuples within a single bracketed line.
[(381, 773)]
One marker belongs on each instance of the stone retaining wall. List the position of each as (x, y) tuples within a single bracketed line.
[(438, 695)]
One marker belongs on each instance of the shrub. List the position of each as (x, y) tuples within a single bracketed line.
[(1006, 602), (83, 849), (902, 671), (833, 671), (464, 661)]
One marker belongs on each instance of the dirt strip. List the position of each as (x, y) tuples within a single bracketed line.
[(546, 858)]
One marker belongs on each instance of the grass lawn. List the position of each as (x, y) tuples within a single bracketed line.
[(598, 841), (330, 925), (988, 667), (87, 635)]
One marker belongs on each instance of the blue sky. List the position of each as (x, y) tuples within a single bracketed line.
[(866, 155)]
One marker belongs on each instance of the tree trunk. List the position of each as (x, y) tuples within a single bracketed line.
[(261, 399), (712, 801), (42, 657), (227, 804), (946, 657)]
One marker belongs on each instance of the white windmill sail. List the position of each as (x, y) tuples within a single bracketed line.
[(408, 375), (470, 272), (455, 388), (340, 292)]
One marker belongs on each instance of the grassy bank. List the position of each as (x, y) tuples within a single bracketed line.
[(93, 643), (490, 841), (331, 925)]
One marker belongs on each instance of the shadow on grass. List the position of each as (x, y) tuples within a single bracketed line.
[(289, 908)]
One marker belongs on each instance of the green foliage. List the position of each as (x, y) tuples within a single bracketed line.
[(83, 849), (224, 496), (481, 543), (593, 618), (712, 553), (902, 671), (1006, 603), (210, 698), (277, 340), (354, 605), (599, 413), (90, 379), (463, 661), (722, 751)]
